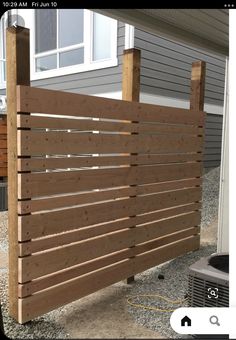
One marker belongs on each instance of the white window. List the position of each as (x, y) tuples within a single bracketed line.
[(72, 40), (3, 51), (102, 27)]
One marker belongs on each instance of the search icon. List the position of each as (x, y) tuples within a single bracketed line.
[(214, 320)]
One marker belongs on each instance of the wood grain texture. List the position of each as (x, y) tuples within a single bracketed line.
[(43, 224), (3, 147), (46, 243), (52, 183), (3, 155), (36, 285), (3, 126), (33, 143), (197, 93), (18, 73), (86, 222), (3, 143), (131, 75), (35, 305), (39, 122), (57, 202), (32, 267), (31, 99), (3, 171), (41, 164), (198, 85)]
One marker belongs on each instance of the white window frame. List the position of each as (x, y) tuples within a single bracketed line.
[(2, 82), (88, 64)]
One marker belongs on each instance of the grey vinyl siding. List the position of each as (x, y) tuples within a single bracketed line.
[(90, 82), (166, 68), (213, 138), (166, 71)]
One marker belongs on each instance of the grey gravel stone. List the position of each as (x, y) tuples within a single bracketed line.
[(3, 231), (174, 287), (210, 196), (45, 327)]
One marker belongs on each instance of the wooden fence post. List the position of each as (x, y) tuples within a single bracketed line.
[(197, 85), (197, 94), (131, 75), (18, 73), (131, 88)]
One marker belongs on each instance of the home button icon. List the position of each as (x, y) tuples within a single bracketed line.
[(186, 321)]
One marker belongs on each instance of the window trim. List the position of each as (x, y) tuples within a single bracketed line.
[(2, 82), (88, 64)]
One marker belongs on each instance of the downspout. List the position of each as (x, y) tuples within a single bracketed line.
[(129, 36), (223, 215)]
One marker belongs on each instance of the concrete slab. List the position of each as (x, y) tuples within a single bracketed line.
[(104, 315), (209, 233)]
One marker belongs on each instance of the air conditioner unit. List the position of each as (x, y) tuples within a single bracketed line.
[(208, 285), (3, 196)]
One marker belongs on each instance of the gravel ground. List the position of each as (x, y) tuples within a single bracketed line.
[(3, 231), (210, 196), (45, 327), (173, 287)]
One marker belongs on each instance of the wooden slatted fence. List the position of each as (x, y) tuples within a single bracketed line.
[(3, 147), (86, 218), (74, 212)]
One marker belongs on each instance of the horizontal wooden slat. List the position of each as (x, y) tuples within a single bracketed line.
[(57, 202), (43, 224), (39, 164), (3, 172), (43, 184), (50, 299), (34, 286), (3, 143), (26, 121), (148, 260), (32, 143), (34, 266), (3, 128), (3, 137), (3, 158), (35, 100), (73, 240), (37, 245)]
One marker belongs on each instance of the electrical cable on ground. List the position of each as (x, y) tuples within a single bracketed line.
[(136, 305)]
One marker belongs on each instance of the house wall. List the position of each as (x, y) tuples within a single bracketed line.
[(89, 82), (165, 80), (213, 138), (166, 73), (166, 68)]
